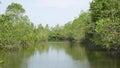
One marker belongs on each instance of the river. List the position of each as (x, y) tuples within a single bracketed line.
[(58, 55)]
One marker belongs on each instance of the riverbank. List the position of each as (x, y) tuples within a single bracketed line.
[(87, 44), (58, 55), (93, 47)]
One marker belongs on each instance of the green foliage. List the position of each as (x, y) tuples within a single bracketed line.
[(68, 31), (81, 25), (55, 33), (109, 33), (74, 30), (17, 30), (106, 17), (15, 8), (42, 33), (101, 9), (100, 25)]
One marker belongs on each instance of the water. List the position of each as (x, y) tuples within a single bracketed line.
[(58, 55)]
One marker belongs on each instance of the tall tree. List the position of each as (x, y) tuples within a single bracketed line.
[(106, 17), (101, 9)]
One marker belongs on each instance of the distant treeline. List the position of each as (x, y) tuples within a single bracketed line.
[(99, 25)]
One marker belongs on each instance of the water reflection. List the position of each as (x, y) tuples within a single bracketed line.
[(55, 57), (58, 55), (101, 60)]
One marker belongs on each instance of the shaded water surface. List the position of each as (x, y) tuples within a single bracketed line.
[(58, 55)]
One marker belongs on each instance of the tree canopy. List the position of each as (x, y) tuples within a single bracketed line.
[(99, 25)]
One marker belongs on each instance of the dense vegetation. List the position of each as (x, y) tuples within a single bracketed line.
[(106, 18), (100, 25), (74, 30), (17, 30)]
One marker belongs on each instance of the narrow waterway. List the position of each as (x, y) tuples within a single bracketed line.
[(58, 55)]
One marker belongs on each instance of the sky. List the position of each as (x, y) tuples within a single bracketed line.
[(51, 12)]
